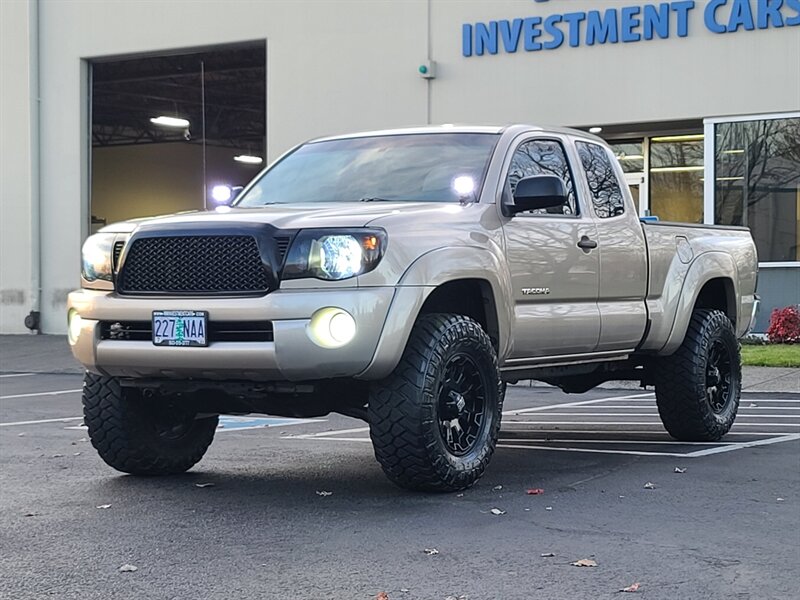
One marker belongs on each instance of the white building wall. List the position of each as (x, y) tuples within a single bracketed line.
[(17, 22), (340, 65)]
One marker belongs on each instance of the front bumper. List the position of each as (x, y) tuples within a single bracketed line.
[(292, 356)]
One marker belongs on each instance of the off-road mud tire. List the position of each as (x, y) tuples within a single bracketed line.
[(404, 409), (682, 380), (122, 428)]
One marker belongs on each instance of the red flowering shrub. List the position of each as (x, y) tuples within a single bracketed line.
[(784, 326)]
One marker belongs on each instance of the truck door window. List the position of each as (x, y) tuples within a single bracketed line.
[(543, 157), (603, 183)]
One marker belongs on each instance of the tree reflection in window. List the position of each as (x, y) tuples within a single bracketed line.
[(543, 157), (758, 183), (603, 183)]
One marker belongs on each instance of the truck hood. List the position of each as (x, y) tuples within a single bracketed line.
[(297, 216)]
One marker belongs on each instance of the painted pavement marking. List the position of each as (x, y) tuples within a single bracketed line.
[(61, 420), (34, 394), (543, 426)]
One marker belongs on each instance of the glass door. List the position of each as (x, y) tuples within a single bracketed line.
[(631, 156), (636, 182)]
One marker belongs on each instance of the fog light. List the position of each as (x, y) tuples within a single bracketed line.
[(331, 328), (74, 325)]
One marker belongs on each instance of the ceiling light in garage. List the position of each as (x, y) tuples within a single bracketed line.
[(248, 159), (164, 121), (595, 129)]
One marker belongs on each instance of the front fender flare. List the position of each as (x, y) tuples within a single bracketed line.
[(424, 275)]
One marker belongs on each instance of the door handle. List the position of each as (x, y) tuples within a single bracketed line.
[(586, 243)]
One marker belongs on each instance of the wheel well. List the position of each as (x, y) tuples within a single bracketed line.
[(718, 294), (469, 297)]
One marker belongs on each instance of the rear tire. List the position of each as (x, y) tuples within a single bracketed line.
[(435, 420), (139, 436), (698, 387)]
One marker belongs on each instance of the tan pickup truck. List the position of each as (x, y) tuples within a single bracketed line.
[(403, 277)]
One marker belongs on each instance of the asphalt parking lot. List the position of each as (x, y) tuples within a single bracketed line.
[(300, 509)]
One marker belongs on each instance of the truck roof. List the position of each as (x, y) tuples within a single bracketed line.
[(459, 128)]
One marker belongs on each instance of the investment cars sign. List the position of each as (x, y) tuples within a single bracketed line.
[(634, 23)]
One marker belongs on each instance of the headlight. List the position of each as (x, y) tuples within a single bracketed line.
[(96, 257), (334, 254)]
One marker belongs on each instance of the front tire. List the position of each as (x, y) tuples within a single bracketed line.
[(698, 387), (435, 420), (140, 436)]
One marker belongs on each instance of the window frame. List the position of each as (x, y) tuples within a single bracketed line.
[(627, 203), (577, 187)]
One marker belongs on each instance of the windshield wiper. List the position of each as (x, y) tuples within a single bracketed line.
[(374, 199)]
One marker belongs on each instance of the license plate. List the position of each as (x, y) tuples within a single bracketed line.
[(180, 327)]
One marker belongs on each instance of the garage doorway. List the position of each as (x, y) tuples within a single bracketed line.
[(167, 129)]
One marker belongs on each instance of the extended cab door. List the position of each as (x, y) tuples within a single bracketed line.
[(621, 249), (555, 281)]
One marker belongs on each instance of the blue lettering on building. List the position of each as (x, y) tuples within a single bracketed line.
[(626, 24)]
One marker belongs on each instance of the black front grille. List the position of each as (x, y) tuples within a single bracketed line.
[(194, 264), (218, 331)]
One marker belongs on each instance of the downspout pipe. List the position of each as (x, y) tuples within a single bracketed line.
[(33, 320)]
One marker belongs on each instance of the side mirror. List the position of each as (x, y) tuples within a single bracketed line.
[(538, 191)]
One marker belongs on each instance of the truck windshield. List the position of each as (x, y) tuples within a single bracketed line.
[(437, 167)]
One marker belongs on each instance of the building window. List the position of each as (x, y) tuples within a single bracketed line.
[(676, 178), (630, 155), (757, 183)]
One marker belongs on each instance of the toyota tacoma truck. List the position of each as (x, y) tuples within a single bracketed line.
[(404, 277)]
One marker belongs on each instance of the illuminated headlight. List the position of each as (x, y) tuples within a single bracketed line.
[(334, 254), (337, 256), (331, 327), (96, 257), (74, 324)]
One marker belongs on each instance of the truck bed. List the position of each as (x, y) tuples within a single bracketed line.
[(688, 257)]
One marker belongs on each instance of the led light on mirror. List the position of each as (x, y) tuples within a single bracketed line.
[(221, 193)]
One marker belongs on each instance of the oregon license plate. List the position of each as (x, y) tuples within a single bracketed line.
[(180, 328)]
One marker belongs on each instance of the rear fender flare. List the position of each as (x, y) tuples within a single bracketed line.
[(704, 268)]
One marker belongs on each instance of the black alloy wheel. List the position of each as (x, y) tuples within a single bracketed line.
[(462, 405), (718, 376)]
